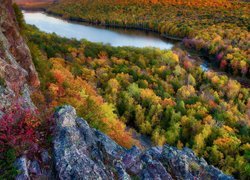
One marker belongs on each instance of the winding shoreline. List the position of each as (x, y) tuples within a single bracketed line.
[(108, 25), (245, 82)]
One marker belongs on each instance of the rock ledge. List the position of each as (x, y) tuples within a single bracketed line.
[(81, 152)]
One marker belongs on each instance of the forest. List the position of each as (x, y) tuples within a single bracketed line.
[(217, 29), (159, 93)]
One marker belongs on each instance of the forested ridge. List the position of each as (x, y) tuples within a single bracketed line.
[(218, 29), (39, 4)]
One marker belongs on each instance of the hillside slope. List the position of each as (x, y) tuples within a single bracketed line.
[(17, 72), (18, 80)]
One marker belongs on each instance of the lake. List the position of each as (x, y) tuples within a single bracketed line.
[(114, 37)]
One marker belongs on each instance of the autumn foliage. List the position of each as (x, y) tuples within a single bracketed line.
[(18, 129), (218, 29), (202, 3), (34, 3), (162, 94), (68, 89)]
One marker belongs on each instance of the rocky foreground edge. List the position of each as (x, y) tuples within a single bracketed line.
[(81, 152), (18, 76)]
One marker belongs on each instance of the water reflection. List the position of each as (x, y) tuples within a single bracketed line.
[(114, 37)]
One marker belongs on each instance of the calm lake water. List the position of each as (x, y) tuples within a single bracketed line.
[(114, 37)]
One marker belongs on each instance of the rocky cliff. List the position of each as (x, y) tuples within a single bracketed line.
[(81, 152), (17, 73), (85, 153)]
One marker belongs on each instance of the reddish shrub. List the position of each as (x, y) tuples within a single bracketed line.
[(17, 130)]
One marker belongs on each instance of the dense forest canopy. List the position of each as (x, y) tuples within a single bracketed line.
[(34, 3), (225, 3), (160, 93), (218, 29)]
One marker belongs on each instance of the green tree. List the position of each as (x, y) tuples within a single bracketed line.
[(139, 115)]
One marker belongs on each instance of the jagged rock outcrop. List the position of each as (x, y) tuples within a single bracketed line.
[(17, 72), (81, 152)]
